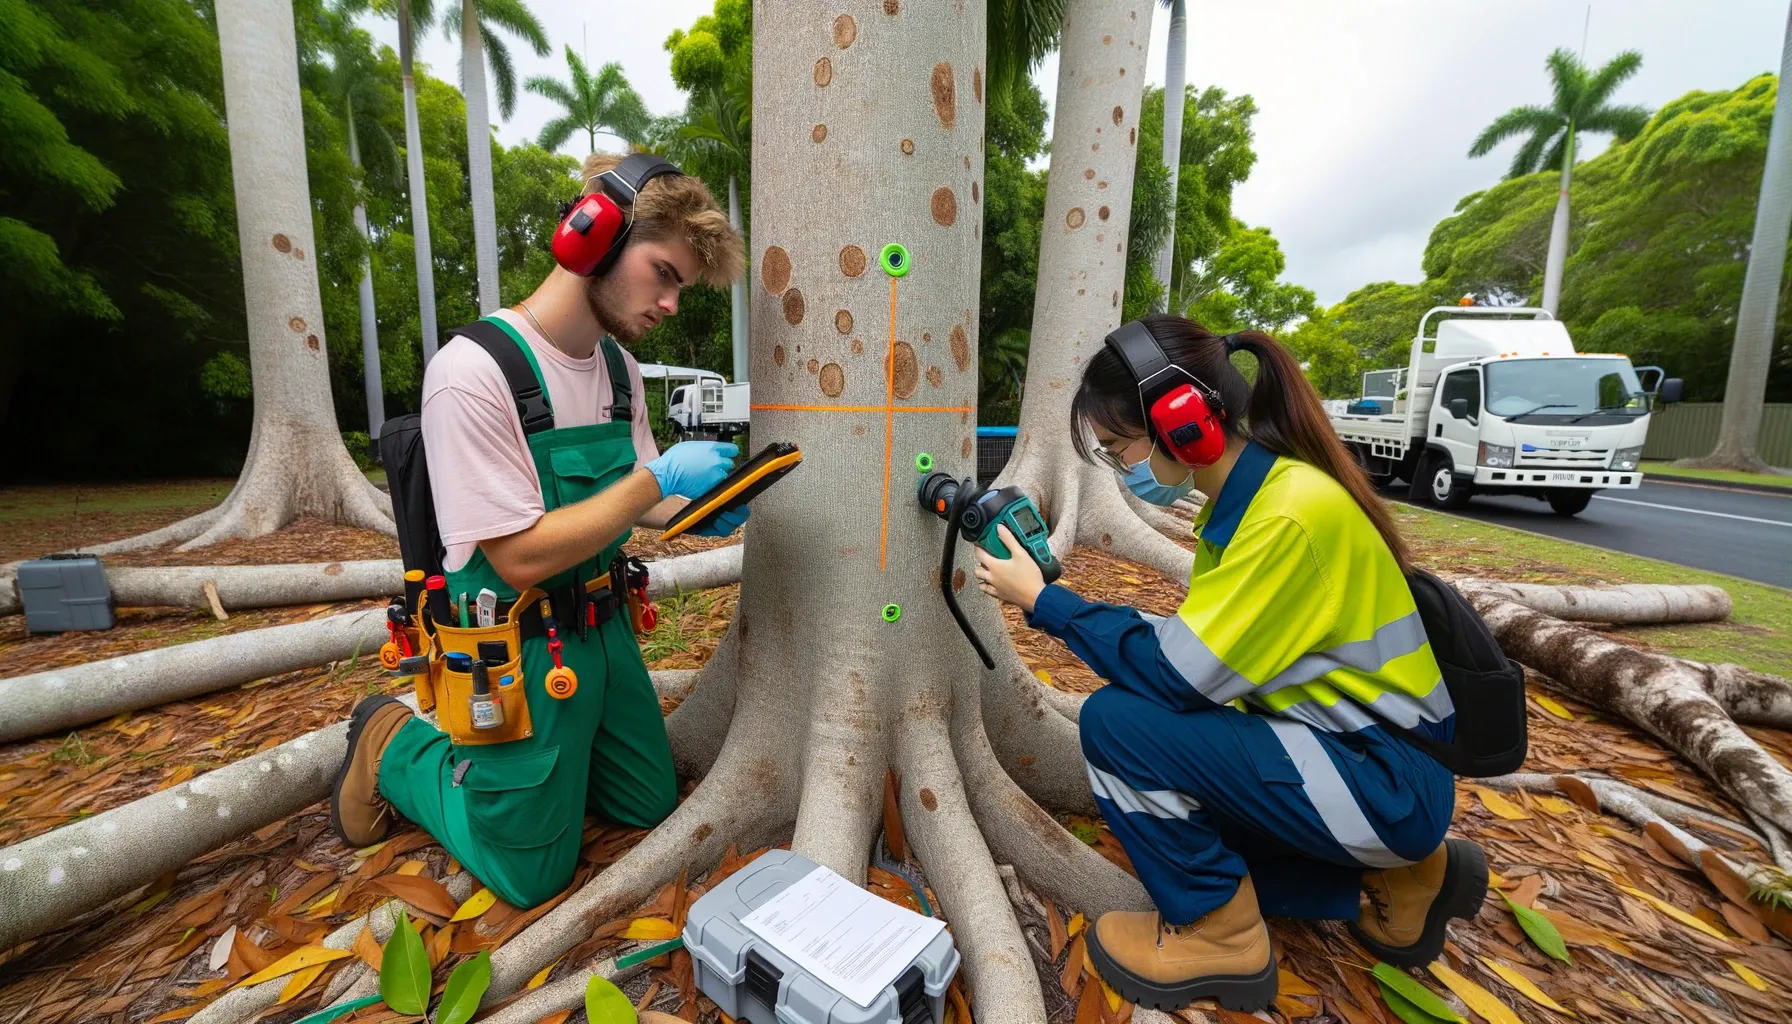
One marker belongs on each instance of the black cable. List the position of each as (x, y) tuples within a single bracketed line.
[(947, 567)]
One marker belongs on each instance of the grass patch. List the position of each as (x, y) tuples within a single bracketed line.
[(1758, 634), (675, 632), (48, 501), (1720, 476)]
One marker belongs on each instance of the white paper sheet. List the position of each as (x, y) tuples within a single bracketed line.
[(854, 942)]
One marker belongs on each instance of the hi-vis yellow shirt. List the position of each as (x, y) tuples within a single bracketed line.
[(1296, 606)]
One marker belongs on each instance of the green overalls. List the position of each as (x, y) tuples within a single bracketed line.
[(513, 812)]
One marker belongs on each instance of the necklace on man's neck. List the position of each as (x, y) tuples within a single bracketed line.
[(524, 306)]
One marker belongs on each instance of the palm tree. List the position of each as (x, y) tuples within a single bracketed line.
[(1021, 33), (603, 102), (716, 141), (1175, 65), (476, 49), (1579, 106), (1746, 389)]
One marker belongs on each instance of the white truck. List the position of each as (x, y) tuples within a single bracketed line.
[(1497, 401), (710, 406)]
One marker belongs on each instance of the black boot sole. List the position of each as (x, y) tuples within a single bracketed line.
[(362, 715), (1465, 886), (1242, 992)]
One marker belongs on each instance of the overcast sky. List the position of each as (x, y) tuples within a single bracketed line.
[(1366, 108)]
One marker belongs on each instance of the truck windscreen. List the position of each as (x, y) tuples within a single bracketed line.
[(1565, 387)]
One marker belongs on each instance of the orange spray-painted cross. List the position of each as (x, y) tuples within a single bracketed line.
[(889, 409)]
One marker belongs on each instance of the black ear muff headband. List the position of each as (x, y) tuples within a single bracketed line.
[(623, 183), (1151, 368)]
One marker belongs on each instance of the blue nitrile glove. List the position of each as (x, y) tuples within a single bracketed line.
[(725, 524), (691, 467)]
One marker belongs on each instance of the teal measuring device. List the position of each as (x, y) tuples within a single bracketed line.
[(974, 512)]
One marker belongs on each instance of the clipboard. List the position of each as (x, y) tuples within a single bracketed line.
[(736, 489)]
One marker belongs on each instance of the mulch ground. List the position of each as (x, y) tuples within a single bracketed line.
[(148, 956)]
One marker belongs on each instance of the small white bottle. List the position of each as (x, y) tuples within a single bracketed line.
[(487, 709)]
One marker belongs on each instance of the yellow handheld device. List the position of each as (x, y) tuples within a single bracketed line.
[(737, 488)]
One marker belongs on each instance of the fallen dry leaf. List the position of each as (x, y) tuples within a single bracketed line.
[(476, 904), (424, 894), (1676, 913), (1500, 806), (300, 981), (1525, 987), (1477, 998), (298, 959)]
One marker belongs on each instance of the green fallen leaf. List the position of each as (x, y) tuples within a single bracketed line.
[(1419, 996), (605, 1003), (1405, 1010), (1539, 929), (466, 986), (330, 1013), (404, 969), (1089, 834)]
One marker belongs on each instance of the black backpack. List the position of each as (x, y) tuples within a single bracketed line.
[(401, 439), (1486, 688)]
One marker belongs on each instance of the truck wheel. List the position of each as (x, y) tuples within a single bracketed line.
[(1446, 490), (1568, 503)]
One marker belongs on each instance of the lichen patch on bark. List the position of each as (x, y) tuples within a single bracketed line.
[(945, 96), (852, 261), (843, 321), (1074, 219), (944, 206), (833, 380), (793, 306), (824, 72), (845, 31), (908, 370), (961, 348), (774, 269)]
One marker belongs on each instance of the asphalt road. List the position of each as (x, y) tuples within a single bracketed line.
[(1743, 533)]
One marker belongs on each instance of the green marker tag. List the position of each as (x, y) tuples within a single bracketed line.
[(644, 955)]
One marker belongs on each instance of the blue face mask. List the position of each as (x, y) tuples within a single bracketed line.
[(1143, 483)]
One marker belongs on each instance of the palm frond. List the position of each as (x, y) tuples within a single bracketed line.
[(497, 56), (451, 21), (1514, 122), (1552, 160), (1020, 34), (1606, 80), (1568, 80), (1625, 123), (555, 133), (517, 19), (553, 90), (1529, 158)]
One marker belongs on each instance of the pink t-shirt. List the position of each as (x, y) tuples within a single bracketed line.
[(480, 471)]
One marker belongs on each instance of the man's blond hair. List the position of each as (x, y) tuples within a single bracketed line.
[(679, 205)]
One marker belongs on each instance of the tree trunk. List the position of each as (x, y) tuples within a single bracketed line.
[(1745, 392), (413, 164), (370, 326), (479, 156), (1642, 604), (1558, 232), (1082, 273), (737, 293), (297, 465), (1175, 61)]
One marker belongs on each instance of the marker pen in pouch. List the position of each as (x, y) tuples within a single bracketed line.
[(466, 614), (436, 587), (487, 711), (488, 608)]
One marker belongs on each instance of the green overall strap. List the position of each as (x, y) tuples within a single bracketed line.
[(533, 407)]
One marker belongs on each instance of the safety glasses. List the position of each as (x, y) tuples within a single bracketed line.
[(1110, 459)]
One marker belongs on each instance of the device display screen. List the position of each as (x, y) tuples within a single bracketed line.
[(1028, 522)]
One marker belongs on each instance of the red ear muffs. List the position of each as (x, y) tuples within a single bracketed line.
[(587, 233), (1187, 427)]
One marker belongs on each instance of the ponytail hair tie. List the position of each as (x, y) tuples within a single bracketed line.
[(1233, 342)]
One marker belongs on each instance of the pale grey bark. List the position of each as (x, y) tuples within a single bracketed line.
[(370, 327), (1175, 65), (1558, 232), (737, 293), (413, 164), (255, 586), (479, 156), (1745, 391), (1640, 604)]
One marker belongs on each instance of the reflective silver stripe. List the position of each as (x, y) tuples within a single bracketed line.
[(1393, 640), (1159, 803), (1402, 709), (1198, 665), (1332, 798)]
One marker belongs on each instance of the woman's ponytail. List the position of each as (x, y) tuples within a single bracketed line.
[(1285, 416)]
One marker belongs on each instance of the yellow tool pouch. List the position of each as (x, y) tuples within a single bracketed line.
[(453, 691)]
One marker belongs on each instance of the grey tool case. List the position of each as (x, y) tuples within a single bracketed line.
[(752, 981), (64, 592)]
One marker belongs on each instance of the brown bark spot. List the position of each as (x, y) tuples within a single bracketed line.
[(961, 348), (859, 431), (1122, 72), (858, 347), (1082, 291), (852, 261), (891, 7), (845, 31), (945, 207), (928, 800), (907, 370), (1026, 760), (778, 355), (311, 342), (814, 366), (1101, 186), (1119, 114), (1088, 174), (1132, 136), (1107, 541), (793, 306), (843, 322), (1116, 299), (702, 832), (1102, 213), (819, 133), (945, 95), (976, 193), (977, 83), (926, 337), (966, 448), (967, 162), (282, 243), (298, 254), (824, 72), (833, 380), (333, 569), (958, 580), (297, 323), (934, 376), (1074, 219), (1107, 40), (908, 147), (774, 269), (1095, 147)]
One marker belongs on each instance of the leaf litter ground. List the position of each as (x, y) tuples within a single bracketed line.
[(147, 956)]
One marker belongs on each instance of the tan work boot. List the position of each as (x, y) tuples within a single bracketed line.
[(357, 811), (1223, 956), (1406, 910)]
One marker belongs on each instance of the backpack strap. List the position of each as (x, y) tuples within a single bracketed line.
[(622, 390), (532, 405)]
